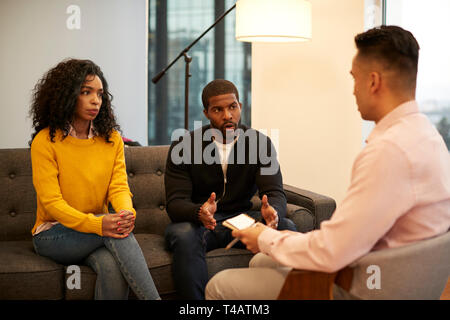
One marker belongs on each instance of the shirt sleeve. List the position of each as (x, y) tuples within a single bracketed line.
[(380, 192), (45, 181)]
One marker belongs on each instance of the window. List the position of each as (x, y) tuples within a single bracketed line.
[(173, 25), (429, 23)]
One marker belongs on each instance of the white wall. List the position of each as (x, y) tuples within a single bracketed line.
[(34, 37), (305, 90)]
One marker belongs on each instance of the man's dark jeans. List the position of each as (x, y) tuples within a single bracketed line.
[(189, 243)]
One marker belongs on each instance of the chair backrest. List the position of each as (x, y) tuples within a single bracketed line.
[(416, 271)]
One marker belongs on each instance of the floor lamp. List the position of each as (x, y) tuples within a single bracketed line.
[(256, 21)]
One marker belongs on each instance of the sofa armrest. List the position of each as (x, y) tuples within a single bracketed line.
[(322, 207)]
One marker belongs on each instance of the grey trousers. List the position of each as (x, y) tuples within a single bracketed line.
[(263, 280)]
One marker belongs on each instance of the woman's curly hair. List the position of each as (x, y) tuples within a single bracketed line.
[(55, 98)]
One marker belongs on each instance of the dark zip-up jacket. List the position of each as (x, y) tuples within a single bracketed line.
[(191, 177)]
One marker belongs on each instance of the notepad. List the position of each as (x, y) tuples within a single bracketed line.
[(239, 222)]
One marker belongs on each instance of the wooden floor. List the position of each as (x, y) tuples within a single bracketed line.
[(446, 293)]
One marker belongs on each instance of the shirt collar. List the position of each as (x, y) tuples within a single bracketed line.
[(388, 120), (92, 132)]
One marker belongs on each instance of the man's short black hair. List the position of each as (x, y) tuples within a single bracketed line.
[(216, 88), (395, 48)]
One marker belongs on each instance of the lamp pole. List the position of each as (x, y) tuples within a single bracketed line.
[(187, 60)]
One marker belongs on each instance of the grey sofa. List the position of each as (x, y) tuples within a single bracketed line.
[(25, 275)]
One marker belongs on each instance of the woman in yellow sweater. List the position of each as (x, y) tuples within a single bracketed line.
[(78, 168)]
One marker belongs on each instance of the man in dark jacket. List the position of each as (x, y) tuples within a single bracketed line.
[(211, 175)]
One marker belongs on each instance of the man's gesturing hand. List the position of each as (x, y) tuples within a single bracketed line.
[(206, 213), (269, 214)]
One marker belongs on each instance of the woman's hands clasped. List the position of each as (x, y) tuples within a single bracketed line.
[(118, 225)]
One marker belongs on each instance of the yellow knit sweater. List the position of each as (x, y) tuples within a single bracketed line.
[(75, 179)]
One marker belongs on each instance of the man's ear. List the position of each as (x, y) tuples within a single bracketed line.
[(240, 105), (375, 81), (205, 112)]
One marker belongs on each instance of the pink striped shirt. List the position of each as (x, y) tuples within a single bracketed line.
[(399, 193), (92, 133)]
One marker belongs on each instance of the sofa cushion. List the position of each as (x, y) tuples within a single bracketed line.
[(145, 169), (17, 195), (152, 220), (26, 275)]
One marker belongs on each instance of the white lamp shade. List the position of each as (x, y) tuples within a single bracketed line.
[(273, 20)]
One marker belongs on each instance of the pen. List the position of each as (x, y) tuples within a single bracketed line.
[(233, 242)]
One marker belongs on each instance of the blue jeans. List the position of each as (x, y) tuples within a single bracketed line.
[(119, 263), (189, 243)]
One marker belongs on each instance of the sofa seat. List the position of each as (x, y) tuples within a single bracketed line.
[(21, 265), (25, 275)]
